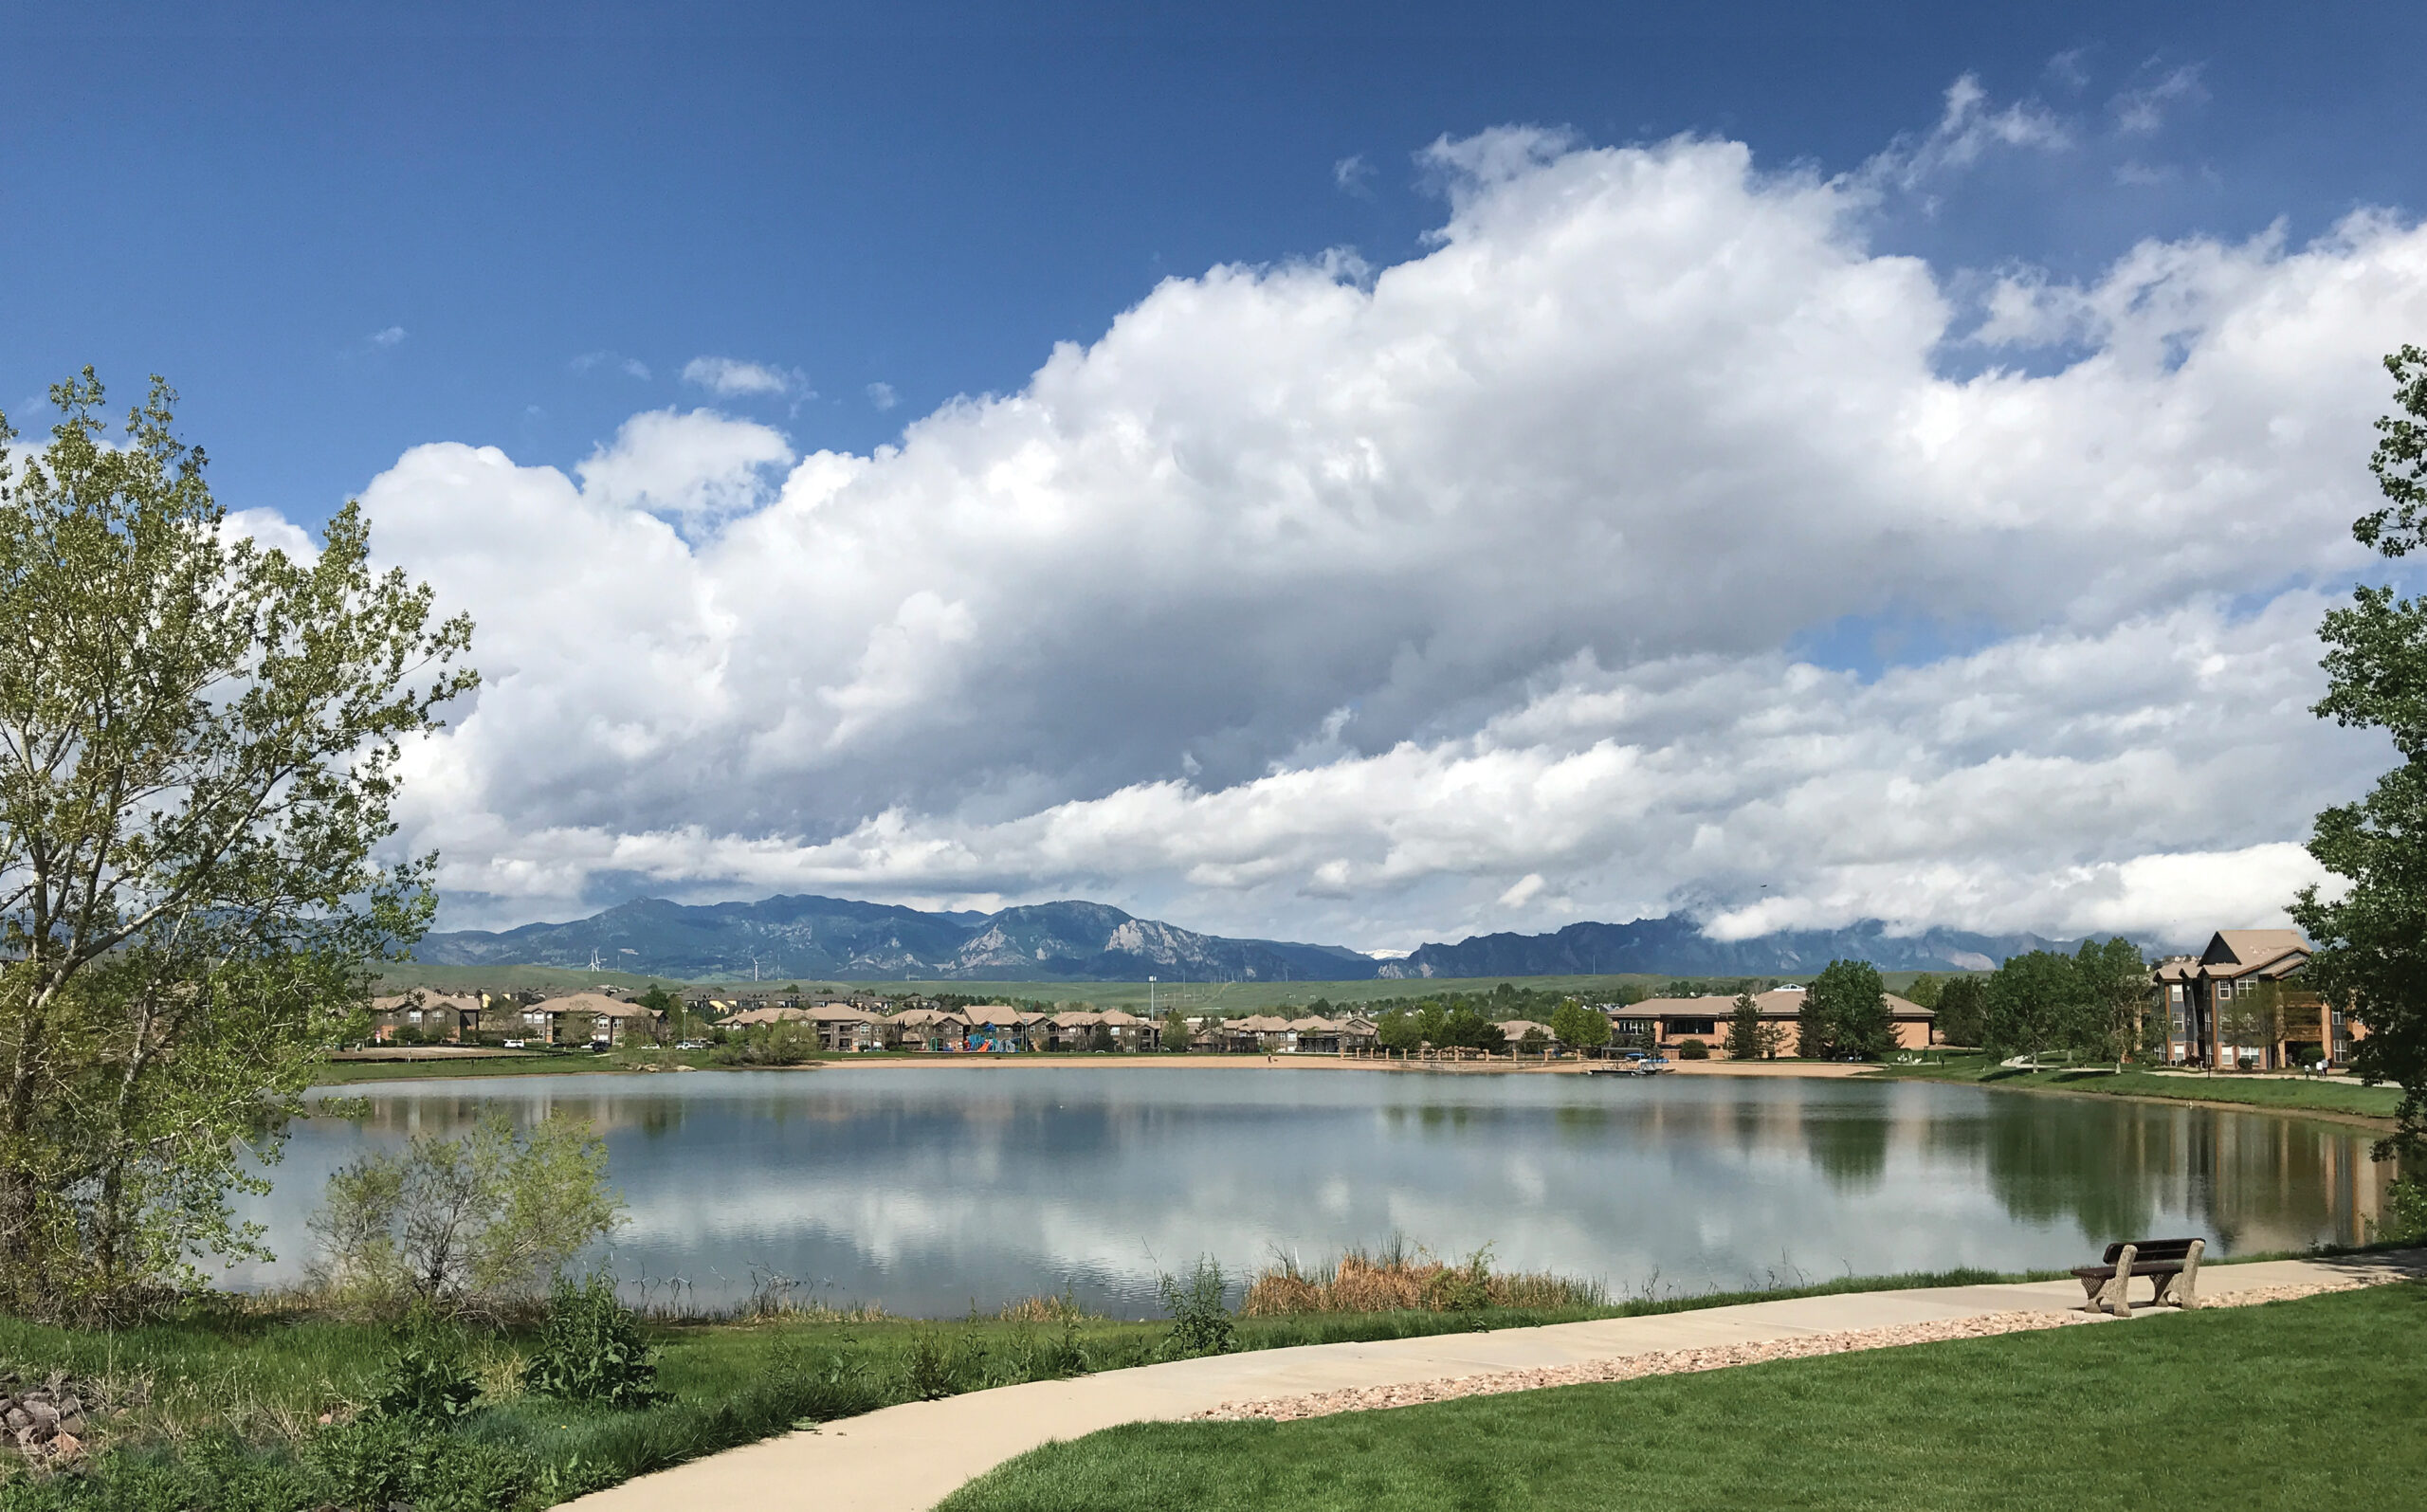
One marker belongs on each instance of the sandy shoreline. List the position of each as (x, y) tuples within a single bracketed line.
[(1328, 1063)]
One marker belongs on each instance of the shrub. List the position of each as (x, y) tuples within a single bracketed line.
[(766, 1045), (367, 1463), (2404, 1218), (1027, 1356), (591, 1349), (1201, 1324), (1692, 1050), (1461, 1288), (452, 1474), (428, 1379), (489, 1215), (1397, 1279), (389, 1462), (824, 1388), (935, 1366)]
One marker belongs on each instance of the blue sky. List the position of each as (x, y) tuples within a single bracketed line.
[(1364, 473), (928, 196)]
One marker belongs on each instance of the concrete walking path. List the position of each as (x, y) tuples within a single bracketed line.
[(907, 1458)]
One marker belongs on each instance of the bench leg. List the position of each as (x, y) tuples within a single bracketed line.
[(2116, 1296), (2186, 1289)]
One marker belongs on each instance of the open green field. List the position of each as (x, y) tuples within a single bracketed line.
[(2283, 1094), (2298, 1405), (226, 1403)]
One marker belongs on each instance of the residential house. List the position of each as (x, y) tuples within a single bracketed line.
[(1665, 1023), (997, 1027), (2212, 1005), (1129, 1032), (1315, 1035), (844, 1027), (930, 1028), (425, 1016), (587, 1018), (1076, 1031), (1036, 1028), (1258, 1033), (1515, 1030), (749, 1017)]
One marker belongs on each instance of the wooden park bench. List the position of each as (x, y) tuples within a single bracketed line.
[(2173, 1263)]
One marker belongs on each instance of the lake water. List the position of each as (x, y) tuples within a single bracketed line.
[(929, 1191)]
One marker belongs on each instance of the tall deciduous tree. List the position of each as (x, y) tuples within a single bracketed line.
[(2035, 999), (1962, 1010), (1851, 1002), (198, 754), (2371, 940), (1579, 1027), (2115, 997)]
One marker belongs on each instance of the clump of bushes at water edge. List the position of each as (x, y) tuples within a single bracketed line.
[(1398, 1279)]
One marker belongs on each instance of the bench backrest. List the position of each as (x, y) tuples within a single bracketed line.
[(2149, 1251)]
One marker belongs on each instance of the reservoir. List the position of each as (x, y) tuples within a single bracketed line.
[(933, 1190)]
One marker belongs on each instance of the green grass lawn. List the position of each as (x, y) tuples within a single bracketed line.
[(546, 1063), (262, 1379), (2315, 1095), (2310, 1403)]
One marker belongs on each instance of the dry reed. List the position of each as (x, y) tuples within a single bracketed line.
[(1062, 1309), (1399, 1280)]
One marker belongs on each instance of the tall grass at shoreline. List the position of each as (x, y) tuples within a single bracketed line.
[(1404, 1278)]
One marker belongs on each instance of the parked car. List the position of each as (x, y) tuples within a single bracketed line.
[(514, 1044), (691, 1044)]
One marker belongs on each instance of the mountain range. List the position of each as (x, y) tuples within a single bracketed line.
[(792, 938)]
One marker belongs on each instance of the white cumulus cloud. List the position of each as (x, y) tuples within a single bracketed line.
[(728, 379), (1534, 577)]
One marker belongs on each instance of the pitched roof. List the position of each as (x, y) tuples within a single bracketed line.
[(770, 1015), (398, 1003), (594, 1003), (1258, 1024), (835, 1013), (1778, 1002), (2249, 949), (1712, 1004)]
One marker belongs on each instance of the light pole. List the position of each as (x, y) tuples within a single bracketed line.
[(1150, 998)]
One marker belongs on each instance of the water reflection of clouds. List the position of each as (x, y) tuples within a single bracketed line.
[(932, 1190)]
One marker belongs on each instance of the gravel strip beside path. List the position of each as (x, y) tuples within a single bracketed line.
[(1679, 1362)]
